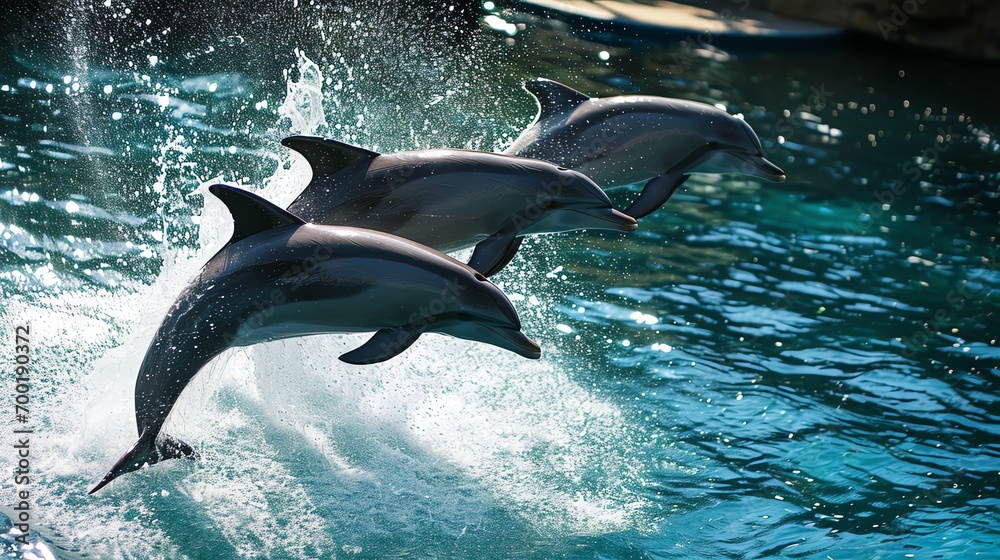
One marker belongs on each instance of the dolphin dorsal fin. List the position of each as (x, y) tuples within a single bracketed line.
[(327, 157), (553, 98), (251, 213)]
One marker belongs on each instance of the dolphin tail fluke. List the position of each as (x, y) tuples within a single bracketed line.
[(495, 252), (148, 450), (655, 193), (385, 344)]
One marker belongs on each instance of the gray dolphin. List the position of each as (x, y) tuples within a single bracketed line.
[(279, 277), (623, 140), (449, 199)]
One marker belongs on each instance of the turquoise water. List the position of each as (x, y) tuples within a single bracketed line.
[(801, 370)]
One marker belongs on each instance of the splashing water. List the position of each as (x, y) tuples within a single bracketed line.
[(453, 433)]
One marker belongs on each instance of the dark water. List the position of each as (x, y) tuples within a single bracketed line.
[(802, 370)]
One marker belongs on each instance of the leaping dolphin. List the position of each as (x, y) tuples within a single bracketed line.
[(623, 140), (279, 277), (449, 199)]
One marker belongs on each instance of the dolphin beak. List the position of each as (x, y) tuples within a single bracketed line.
[(501, 337), (607, 218), (760, 167), (576, 219), (515, 341), (738, 162)]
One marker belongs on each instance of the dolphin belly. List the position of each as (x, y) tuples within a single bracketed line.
[(442, 232), (447, 211), (621, 169), (616, 152), (310, 318)]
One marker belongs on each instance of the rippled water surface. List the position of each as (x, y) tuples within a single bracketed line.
[(807, 369)]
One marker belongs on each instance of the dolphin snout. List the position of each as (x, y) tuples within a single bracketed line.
[(515, 341), (760, 167), (496, 335), (607, 218), (624, 221)]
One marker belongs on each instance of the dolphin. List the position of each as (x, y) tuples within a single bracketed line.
[(279, 277), (449, 199), (624, 140)]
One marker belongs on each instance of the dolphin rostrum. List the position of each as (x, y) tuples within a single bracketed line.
[(449, 199), (279, 277), (624, 140)]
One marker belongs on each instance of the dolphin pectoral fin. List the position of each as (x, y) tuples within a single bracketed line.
[(327, 157), (655, 193), (251, 213), (148, 450), (494, 252), (553, 98), (385, 344)]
